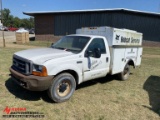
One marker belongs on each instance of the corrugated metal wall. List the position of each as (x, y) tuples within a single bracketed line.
[(68, 23), (149, 25)]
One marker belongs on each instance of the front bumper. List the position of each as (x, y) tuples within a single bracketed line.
[(31, 82)]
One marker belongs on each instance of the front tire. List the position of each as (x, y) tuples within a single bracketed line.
[(62, 88), (124, 75)]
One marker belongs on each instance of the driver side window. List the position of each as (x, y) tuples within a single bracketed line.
[(96, 43)]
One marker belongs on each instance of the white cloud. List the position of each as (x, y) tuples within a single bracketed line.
[(24, 5)]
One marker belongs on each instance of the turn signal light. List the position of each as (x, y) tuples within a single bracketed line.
[(43, 73)]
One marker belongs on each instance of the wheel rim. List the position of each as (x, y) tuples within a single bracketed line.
[(126, 71), (64, 88)]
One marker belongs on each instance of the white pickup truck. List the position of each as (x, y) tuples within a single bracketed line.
[(89, 54)]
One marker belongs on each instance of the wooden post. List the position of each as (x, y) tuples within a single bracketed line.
[(4, 42)]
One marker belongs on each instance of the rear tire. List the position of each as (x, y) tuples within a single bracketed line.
[(62, 88), (125, 74)]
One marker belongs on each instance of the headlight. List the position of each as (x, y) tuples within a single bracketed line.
[(39, 70)]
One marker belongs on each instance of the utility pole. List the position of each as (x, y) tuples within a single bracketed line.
[(4, 43)]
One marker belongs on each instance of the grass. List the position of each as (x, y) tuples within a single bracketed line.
[(41, 43), (102, 99), (38, 43), (151, 50)]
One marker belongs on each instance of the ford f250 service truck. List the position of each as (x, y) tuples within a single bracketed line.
[(89, 54)]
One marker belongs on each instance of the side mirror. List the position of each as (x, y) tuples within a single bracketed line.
[(88, 53), (97, 52)]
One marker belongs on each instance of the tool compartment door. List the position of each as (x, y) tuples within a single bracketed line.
[(117, 60), (139, 56)]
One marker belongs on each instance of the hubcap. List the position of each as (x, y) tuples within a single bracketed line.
[(126, 70), (64, 88)]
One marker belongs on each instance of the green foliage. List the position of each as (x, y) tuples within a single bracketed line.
[(27, 23), (7, 18), (10, 20)]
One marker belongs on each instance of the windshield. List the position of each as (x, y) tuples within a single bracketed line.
[(72, 43)]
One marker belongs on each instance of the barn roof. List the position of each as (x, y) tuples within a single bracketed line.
[(91, 11)]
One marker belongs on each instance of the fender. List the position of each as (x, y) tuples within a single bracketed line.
[(131, 62), (60, 68)]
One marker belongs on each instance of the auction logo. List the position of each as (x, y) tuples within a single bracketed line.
[(8, 110), (20, 113), (117, 37)]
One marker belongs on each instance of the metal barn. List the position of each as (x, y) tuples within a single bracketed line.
[(59, 23)]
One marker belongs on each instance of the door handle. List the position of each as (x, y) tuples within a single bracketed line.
[(106, 59)]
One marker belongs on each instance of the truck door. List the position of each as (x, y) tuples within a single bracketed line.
[(93, 66)]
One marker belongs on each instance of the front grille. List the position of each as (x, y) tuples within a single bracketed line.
[(22, 65)]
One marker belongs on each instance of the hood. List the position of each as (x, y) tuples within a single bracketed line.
[(41, 55)]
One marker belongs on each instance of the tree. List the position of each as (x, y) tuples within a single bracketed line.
[(27, 22), (16, 22), (7, 18), (10, 20)]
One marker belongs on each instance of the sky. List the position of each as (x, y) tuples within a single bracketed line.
[(17, 7)]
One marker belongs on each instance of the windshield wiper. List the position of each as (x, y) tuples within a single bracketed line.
[(58, 48), (72, 50), (66, 49)]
